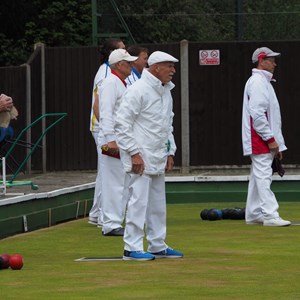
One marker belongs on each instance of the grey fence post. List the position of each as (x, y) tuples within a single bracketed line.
[(43, 99), (185, 126), (28, 114), (43, 104)]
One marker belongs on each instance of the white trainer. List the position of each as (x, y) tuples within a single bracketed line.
[(258, 221), (93, 221), (276, 222)]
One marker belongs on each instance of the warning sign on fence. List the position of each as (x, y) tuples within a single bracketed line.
[(209, 57)]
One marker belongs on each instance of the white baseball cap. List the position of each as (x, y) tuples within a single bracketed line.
[(159, 56), (263, 52), (119, 55)]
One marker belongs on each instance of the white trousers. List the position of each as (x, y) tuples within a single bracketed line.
[(146, 206), (96, 211), (261, 201), (114, 196)]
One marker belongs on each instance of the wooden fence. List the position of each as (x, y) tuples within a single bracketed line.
[(207, 102)]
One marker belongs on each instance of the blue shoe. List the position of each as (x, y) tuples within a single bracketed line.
[(168, 253), (137, 255)]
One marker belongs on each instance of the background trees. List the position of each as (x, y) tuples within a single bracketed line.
[(55, 23), (69, 22)]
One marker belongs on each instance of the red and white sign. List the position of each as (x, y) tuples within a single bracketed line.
[(209, 57)]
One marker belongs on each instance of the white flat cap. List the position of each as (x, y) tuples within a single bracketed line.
[(263, 52), (119, 55), (159, 56)]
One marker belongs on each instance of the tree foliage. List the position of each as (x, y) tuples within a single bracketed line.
[(55, 23), (213, 20), (168, 21), (69, 22)]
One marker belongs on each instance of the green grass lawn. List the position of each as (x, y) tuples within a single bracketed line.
[(223, 260)]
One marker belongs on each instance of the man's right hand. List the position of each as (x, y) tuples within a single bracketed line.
[(113, 147), (137, 164)]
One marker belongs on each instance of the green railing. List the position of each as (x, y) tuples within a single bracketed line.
[(10, 182)]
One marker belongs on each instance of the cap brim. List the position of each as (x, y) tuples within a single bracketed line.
[(133, 58), (274, 54), (170, 60), (163, 61)]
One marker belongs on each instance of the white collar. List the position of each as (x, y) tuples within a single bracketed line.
[(268, 75), (155, 82)]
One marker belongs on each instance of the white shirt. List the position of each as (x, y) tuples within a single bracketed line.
[(133, 77)]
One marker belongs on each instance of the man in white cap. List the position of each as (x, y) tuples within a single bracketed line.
[(145, 137), (95, 214), (114, 198), (262, 139)]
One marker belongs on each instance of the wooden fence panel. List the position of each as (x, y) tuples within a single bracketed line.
[(215, 94), (69, 80)]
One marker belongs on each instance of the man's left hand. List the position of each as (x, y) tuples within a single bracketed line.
[(170, 163)]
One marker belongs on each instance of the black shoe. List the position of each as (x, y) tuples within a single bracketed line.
[(115, 232)]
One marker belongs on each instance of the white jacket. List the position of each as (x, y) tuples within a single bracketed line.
[(261, 120), (111, 93), (144, 124), (103, 72)]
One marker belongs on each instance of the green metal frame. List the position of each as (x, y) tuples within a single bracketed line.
[(10, 182), (97, 35)]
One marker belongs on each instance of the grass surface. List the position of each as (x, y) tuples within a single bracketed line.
[(223, 260)]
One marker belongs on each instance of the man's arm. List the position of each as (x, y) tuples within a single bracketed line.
[(258, 107), (126, 116), (108, 96), (96, 105)]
